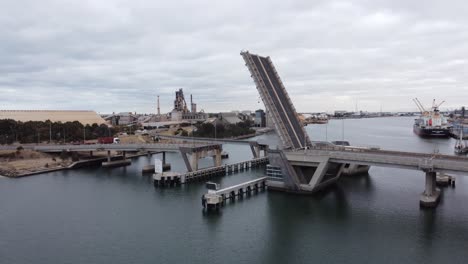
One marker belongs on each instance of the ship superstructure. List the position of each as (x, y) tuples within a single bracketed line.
[(431, 123)]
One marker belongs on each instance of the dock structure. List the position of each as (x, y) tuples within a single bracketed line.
[(215, 199), (304, 166), (207, 173), (150, 168), (166, 179)]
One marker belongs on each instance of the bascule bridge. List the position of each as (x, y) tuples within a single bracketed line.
[(305, 166)]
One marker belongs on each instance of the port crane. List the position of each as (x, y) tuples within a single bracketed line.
[(435, 107), (419, 105)]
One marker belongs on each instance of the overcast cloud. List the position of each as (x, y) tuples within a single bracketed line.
[(119, 55)]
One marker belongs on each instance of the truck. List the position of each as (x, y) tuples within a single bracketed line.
[(105, 140)]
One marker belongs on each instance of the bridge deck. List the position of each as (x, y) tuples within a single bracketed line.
[(277, 101), (386, 158), (105, 147)]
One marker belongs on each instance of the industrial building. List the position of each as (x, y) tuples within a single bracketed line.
[(182, 112), (122, 119), (230, 117), (84, 117)]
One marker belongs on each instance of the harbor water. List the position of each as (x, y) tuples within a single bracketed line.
[(97, 215)]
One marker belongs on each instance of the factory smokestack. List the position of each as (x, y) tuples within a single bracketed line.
[(193, 107), (159, 112)]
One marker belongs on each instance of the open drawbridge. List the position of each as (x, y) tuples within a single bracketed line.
[(277, 102), (320, 164)]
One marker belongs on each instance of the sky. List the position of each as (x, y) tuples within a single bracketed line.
[(118, 55)]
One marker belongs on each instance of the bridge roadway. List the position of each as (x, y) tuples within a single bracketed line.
[(385, 158), (202, 140), (107, 147)]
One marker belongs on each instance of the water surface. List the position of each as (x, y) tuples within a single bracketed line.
[(98, 215)]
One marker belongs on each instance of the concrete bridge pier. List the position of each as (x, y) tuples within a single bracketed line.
[(217, 157), (116, 163), (150, 168), (301, 174), (431, 195), (351, 169), (197, 153), (256, 149), (194, 157)]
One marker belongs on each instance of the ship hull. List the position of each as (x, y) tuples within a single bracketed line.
[(431, 132)]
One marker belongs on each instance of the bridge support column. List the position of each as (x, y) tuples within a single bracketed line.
[(199, 152), (217, 158), (431, 195), (265, 150), (194, 160)]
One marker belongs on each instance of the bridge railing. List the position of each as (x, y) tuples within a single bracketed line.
[(386, 152)]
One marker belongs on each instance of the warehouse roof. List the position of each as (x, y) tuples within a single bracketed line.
[(83, 116)]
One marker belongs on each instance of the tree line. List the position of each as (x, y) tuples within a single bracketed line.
[(223, 130), (12, 131)]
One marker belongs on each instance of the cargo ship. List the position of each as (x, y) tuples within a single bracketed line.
[(431, 123)]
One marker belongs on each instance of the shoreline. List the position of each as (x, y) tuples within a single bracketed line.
[(75, 165)]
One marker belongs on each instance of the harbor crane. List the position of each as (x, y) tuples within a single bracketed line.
[(419, 105)]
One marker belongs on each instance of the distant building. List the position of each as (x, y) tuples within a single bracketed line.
[(181, 111), (340, 113), (122, 119), (230, 117), (260, 118), (84, 117), (245, 117)]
